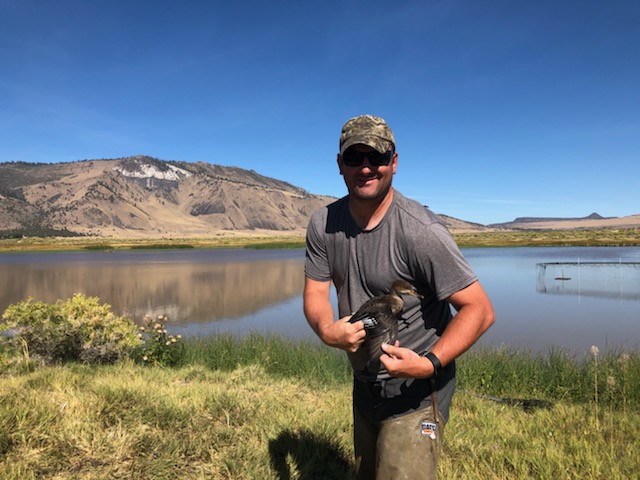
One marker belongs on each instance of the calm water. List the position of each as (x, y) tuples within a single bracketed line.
[(543, 297)]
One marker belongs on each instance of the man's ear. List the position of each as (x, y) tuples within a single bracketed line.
[(339, 160)]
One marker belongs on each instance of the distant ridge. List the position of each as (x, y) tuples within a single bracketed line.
[(593, 216), (594, 220)]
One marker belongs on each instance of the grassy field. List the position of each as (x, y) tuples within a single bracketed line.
[(596, 237), (540, 238), (268, 408), (36, 244)]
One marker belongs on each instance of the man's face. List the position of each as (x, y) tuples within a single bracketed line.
[(367, 182)]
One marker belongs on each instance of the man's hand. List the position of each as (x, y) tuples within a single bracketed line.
[(402, 362), (319, 313), (345, 335)]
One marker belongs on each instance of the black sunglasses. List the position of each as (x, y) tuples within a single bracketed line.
[(354, 158)]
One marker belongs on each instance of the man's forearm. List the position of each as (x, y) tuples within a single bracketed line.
[(320, 318), (466, 327)]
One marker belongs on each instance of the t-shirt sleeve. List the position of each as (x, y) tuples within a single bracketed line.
[(441, 262), (316, 265)]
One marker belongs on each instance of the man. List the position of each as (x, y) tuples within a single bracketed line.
[(362, 243)]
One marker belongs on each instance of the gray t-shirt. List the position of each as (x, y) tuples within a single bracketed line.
[(410, 243)]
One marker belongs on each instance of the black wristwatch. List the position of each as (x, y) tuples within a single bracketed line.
[(437, 366)]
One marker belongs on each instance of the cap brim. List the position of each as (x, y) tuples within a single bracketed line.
[(377, 143)]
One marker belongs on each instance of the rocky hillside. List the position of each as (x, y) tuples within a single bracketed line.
[(142, 196)]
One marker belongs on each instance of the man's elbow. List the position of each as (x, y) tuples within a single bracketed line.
[(488, 318)]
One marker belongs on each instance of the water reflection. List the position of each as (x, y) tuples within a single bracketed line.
[(240, 291), (189, 286), (593, 279)]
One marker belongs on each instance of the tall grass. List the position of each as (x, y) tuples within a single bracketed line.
[(268, 408), (307, 361), (554, 374)]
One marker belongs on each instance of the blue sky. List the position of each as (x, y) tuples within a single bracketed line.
[(500, 108)]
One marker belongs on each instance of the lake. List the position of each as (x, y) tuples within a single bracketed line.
[(572, 297)]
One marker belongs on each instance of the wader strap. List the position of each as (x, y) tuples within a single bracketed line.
[(434, 400)]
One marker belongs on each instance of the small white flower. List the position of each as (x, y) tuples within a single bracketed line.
[(624, 360)]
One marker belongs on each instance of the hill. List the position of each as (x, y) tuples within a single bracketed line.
[(143, 196), (461, 226)]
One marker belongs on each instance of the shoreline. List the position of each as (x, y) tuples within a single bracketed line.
[(494, 239)]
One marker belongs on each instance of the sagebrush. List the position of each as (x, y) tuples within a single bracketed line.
[(77, 329)]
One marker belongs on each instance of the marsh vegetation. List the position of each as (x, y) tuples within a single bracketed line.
[(269, 408), (511, 238)]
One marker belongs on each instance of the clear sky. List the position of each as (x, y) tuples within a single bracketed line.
[(500, 108)]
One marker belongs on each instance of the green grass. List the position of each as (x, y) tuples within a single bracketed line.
[(48, 244), (551, 238), (304, 360), (278, 245), (162, 246), (590, 237), (269, 408)]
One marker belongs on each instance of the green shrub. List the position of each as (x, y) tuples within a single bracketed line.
[(78, 329)]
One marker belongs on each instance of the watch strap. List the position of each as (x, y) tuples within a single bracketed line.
[(437, 365)]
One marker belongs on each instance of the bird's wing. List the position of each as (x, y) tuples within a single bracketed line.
[(374, 342), (369, 312), (381, 326)]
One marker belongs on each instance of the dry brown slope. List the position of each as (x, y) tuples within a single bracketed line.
[(142, 197)]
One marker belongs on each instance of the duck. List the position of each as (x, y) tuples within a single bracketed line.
[(380, 318)]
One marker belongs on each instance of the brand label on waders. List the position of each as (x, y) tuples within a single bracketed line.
[(428, 428)]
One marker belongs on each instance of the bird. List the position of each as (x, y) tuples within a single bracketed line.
[(380, 318)]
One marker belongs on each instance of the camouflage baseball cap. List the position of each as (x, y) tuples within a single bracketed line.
[(368, 130)]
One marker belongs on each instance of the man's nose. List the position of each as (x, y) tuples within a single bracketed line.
[(366, 163)]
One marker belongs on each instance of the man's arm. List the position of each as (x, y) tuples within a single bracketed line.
[(474, 316), (320, 315)]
